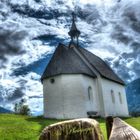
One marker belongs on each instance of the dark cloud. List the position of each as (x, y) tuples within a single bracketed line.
[(11, 43), (17, 94), (131, 16), (119, 66), (126, 31), (12, 93), (89, 13), (120, 36), (127, 65)]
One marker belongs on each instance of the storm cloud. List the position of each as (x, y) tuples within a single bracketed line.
[(125, 34), (30, 31), (11, 42)]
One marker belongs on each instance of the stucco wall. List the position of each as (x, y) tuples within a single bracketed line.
[(67, 96), (94, 101), (115, 108), (52, 93)]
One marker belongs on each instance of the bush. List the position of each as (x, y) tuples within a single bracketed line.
[(21, 108), (135, 114)]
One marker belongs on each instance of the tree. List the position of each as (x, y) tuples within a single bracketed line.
[(21, 108)]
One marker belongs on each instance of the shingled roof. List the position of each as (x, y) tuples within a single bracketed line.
[(102, 67), (66, 61)]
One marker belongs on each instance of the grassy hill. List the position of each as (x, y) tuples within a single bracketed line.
[(133, 97), (16, 127)]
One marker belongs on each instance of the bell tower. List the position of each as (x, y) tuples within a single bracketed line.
[(74, 32)]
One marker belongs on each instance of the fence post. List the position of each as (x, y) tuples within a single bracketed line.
[(109, 123), (76, 129)]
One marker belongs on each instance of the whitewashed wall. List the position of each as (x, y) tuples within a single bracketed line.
[(67, 96), (91, 82), (117, 108)]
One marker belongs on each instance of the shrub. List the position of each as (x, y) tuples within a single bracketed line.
[(21, 108)]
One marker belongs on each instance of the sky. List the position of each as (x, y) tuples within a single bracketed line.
[(30, 30)]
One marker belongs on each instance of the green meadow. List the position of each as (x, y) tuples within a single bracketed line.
[(17, 127)]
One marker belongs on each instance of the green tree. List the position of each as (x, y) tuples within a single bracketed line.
[(21, 108), (24, 110)]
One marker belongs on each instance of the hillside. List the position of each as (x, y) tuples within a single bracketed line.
[(16, 127), (133, 96), (3, 110)]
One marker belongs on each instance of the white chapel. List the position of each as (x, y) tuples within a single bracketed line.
[(77, 84)]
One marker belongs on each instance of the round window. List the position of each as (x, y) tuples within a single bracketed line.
[(52, 80)]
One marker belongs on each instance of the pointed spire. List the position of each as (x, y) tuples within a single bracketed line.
[(74, 32)]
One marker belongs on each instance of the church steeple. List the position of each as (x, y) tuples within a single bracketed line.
[(74, 32)]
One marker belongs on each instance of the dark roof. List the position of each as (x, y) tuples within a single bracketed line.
[(102, 67), (66, 61)]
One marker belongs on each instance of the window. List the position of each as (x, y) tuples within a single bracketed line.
[(112, 96), (120, 97), (89, 93)]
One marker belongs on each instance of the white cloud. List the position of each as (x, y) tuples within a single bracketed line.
[(104, 31), (32, 91)]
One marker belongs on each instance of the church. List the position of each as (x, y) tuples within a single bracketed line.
[(77, 84)]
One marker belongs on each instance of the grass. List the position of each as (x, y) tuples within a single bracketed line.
[(16, 127)]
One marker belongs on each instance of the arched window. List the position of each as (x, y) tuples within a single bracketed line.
[(89, 93), (120, 97), (112, 96)]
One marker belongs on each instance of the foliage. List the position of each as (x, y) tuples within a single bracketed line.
[(21, 108), (135, 114), (19, 127)]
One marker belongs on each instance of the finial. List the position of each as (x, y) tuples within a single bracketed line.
[(73, 17), (74, 32)]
